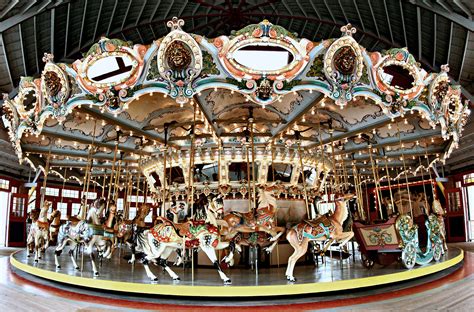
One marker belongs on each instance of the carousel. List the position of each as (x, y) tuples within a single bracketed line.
[(262, 161)]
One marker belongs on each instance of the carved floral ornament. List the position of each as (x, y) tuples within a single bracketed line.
[(181, 65)]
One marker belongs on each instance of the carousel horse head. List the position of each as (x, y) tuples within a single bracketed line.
[(216, 205), (44, 210), (266, 198), (143, 211)]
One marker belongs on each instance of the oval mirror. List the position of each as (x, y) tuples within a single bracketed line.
[(29, 100), (398, 77), (263, 57), (111, 69)]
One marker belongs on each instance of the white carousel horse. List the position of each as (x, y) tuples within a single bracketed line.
[(165, 237), (324, 228), (89, 234), (38, 236)]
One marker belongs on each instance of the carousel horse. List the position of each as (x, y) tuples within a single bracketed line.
[(414, 201), (131, 229), (54, 220), (324, 228), (38, 237), (165, 237), (88, 234), (264, 219), (214, 216)]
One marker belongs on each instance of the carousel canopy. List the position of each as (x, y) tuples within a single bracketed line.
[(308, 85)]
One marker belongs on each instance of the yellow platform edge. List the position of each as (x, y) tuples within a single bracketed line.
[(237, 291)]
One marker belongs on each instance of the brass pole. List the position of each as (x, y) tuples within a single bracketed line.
[(103, 183), (46, 172), (304, 179), (248, 176), (389, 185), (253, 163), (165, 149), (424, 188), (112, 172), (406, 174), (191, 181), (377, 186)]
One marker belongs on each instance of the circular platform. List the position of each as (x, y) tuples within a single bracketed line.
[(117, 275)]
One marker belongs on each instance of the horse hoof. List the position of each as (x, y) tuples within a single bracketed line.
[(154, 279), (228, 282), (176, 279), (39, 257), (28, 256), (58, 267), (77, 268), (291, 279), (96, 273), (36, 260)]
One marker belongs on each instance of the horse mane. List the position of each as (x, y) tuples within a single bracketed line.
[(266, 199), (344, 210)]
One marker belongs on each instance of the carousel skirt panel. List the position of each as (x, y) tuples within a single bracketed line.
[(334, 275)]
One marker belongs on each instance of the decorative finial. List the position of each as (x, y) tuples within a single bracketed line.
[(348, 30), (48, 57), (175, 23), (445, 68)]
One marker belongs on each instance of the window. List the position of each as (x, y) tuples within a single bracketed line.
[(4, 184), (120, 204), (309, 173), (149, 200), (149, 217), (75, 209), (468, 179), (175, 176), (132, 213), (14, 189), (70, 193), (62, 207), (205, 172), (89, 195), (52, 191), (238, 171), (279, 172), (32, 201), (133, 198), (18, 207)]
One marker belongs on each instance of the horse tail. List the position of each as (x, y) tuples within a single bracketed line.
[(347, 224)]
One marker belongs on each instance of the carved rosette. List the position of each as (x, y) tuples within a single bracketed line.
[(343, 65), (54, 83), (179, 61)]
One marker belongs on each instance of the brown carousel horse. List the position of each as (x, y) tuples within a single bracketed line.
[(264, 219), (38, 236), (54, 220), (324, 228), (165, 237), (233, 233)]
